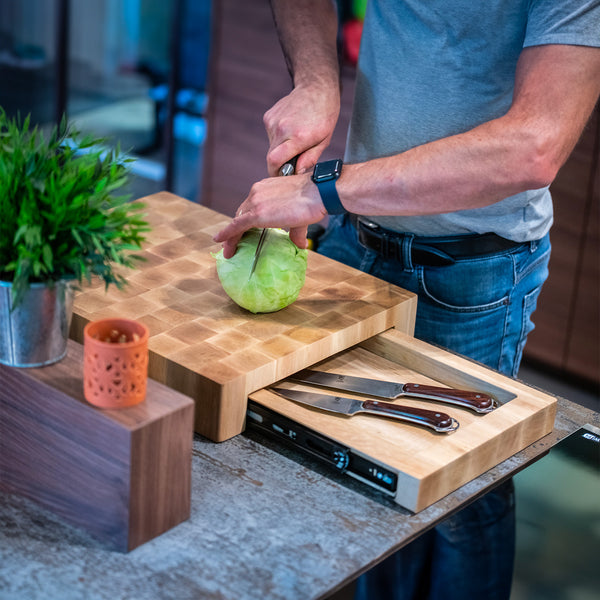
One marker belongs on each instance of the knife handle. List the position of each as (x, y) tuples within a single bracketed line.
[(476, 401), (289, 168), (438, 421)]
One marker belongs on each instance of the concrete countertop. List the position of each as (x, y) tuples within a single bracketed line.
[(266, 523)]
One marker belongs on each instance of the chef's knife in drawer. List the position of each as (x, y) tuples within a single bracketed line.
[(476, 401), (438, 421)]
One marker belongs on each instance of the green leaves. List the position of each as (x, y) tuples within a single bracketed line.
[(59, 215)]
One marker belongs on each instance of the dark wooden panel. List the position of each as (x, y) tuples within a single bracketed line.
[(583, 350), (548, 341), (122, 475), (566, 337)]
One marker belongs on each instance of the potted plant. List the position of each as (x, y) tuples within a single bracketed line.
[(61, 223)]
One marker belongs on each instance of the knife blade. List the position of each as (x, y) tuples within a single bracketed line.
[(259, 246), (287, 169), (475, 401), (438, 421)]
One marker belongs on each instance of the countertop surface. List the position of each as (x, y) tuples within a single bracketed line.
[(266, 523)]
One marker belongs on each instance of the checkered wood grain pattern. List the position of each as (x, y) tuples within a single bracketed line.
[(204, 345)]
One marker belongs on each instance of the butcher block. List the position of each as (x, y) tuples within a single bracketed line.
[(205, 346), (412, 464)]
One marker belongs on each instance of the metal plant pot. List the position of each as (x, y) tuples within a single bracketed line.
[(35, 333)]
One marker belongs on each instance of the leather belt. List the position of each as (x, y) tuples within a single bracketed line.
[(427, 251)]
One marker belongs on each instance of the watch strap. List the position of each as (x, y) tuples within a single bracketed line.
[(330, 197)]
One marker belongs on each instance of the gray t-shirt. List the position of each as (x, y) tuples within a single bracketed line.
[(429, 69)]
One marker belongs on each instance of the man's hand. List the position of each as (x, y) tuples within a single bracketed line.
[(291, 203), (302, 124)]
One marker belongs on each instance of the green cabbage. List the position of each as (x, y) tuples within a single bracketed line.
[(277, 279)]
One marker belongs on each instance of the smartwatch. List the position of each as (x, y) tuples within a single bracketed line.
[(325, 175)]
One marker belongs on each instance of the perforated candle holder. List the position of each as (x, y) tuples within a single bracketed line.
[(115, 362)]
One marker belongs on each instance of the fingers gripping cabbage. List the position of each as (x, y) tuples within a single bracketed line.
[(277, 279)]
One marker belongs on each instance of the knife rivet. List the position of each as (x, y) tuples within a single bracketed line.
[(416, 385)]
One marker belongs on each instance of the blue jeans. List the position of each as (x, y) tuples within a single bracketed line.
[(481, 308)]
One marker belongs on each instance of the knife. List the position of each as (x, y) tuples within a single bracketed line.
[(287, 169), (438, 421), (476, 401)]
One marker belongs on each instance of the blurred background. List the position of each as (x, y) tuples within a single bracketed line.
[(113, 67), (182, 86)]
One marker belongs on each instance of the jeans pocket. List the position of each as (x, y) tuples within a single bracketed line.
[(466, 311), (536, 264), (475, 331), (527, 326), (493, 304), (475, 285)]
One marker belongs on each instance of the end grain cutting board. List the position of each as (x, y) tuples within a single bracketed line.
[(204, 345)]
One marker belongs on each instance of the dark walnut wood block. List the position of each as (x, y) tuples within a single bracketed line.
[(122, 475)]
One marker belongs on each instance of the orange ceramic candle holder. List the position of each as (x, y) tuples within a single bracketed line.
[(115, 362)]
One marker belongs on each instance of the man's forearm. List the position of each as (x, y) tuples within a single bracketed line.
[(460, 172), (308, 36), (555, 92), (302, 122)]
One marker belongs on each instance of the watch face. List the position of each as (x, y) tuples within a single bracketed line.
[(330, 169)]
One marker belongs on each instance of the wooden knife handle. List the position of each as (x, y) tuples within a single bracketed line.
[(477, 401), (429, 418)]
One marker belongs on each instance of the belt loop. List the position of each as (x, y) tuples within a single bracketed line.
[(407, 263), (383, 248)]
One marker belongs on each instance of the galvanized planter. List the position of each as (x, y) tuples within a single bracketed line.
[(35, 333)]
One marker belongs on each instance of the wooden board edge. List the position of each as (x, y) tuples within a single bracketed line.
[(160, 475), (524, 433), (407, 315), (448, 367)]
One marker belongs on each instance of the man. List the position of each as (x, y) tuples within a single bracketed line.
[(464, 112)]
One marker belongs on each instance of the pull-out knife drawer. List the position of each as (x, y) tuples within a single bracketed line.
[(415, 465)]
